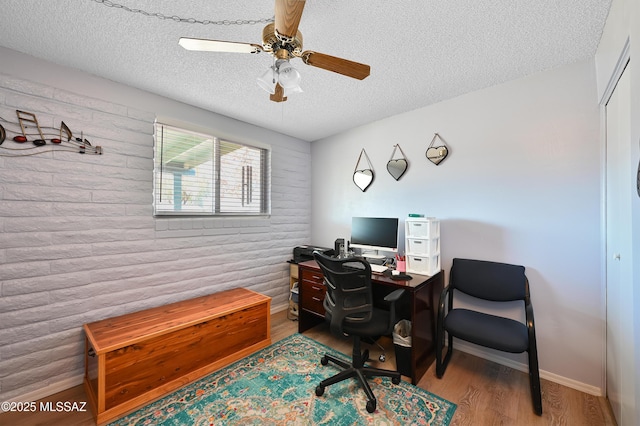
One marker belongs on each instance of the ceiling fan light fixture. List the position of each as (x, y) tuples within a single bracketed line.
[(292, 90), (268, 80), (288, 77)]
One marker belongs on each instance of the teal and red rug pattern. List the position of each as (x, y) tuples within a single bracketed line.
[(276, 386)]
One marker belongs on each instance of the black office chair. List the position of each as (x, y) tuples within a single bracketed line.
[(498, 282), (349, 311)]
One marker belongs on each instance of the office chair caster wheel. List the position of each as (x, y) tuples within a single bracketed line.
[(371, 405), (395, 380), (320, 391), (382, 358), (324, 360)]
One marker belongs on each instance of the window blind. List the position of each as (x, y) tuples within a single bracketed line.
[(200, 174)]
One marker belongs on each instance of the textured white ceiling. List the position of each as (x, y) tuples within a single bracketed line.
[(420, 51)]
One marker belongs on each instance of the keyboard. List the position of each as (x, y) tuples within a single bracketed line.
[(378, 268)]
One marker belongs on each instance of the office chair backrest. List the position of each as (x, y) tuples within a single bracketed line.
[(349, 299), (498, 282)]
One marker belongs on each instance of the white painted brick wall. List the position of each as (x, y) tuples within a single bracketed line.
[(78, 240)]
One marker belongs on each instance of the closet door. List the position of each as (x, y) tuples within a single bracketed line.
[(619, 189)]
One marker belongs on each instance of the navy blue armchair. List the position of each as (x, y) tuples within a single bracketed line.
[(497, 282)]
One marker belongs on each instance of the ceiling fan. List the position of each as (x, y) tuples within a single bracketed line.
[(282, 39)]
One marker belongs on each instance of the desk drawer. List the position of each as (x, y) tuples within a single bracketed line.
[(312, 295)]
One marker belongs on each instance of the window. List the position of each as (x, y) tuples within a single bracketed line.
[(200, 174)]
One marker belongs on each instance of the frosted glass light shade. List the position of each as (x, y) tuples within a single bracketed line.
[(296, 89), (288, 77), (268, 80)]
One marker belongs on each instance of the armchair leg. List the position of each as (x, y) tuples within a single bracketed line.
[(534, 382), (441, 364)]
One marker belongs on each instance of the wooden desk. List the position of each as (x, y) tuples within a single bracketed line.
[(419, 305)]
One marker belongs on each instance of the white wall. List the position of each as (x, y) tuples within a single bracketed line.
[(622, 26), (521, 185), (78, 240)]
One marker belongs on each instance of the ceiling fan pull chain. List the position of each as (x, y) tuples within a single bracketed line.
[(175, 18)]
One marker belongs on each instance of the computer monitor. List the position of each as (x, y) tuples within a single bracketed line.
[(375, 233)]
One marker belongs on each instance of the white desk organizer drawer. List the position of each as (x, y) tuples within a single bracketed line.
[(421, 246), (425, 265), (423, 228)]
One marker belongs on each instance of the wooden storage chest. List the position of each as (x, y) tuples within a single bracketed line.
[(139, 357)]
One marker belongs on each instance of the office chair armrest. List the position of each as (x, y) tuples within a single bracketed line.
[(394, 296)]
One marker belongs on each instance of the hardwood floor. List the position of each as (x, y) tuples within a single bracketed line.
[(486, 393)]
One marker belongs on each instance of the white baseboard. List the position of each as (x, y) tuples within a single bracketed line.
[(279, 308), (561, 380)]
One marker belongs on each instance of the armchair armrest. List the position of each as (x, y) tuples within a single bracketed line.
[(528, 309), (441, 313), (443, 301)]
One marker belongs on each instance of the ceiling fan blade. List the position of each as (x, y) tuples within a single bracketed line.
[(287, 16), (338, 65), (205, 45), (278, 96)]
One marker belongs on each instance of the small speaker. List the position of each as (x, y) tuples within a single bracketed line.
[(339, 247)]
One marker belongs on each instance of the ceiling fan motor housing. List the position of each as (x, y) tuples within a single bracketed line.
[(273, 42)]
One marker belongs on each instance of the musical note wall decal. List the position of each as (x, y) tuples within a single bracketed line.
[(28, 129)]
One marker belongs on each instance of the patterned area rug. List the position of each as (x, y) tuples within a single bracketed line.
[(276, 386)]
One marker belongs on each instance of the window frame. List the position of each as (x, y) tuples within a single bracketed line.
[(215, 179)]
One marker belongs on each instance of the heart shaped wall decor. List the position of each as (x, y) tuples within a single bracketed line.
[(363, 178), (436, 154), (397, 168)]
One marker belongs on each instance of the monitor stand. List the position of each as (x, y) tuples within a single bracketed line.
[(374, 257)]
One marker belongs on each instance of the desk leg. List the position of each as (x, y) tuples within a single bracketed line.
[(424, 307), (307, 320)]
